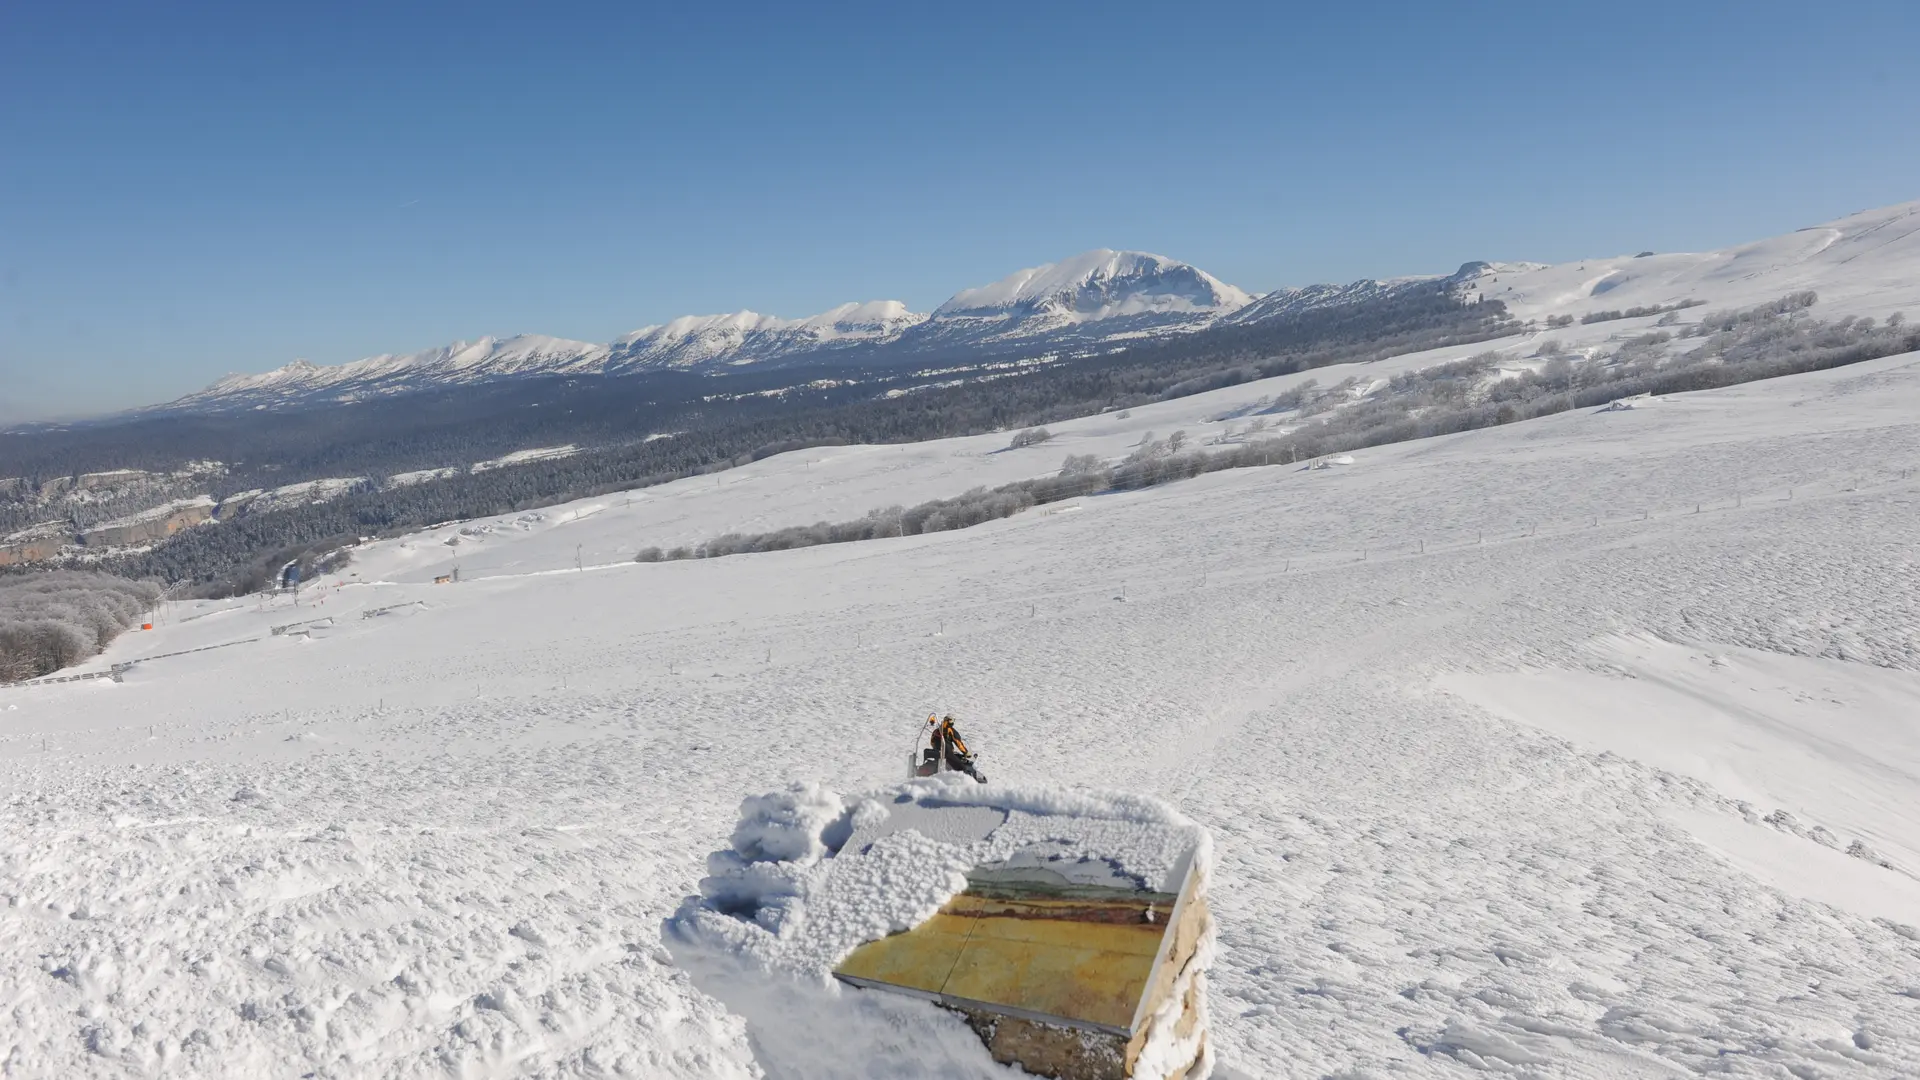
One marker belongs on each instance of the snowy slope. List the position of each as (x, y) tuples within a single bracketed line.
[(1538, 750), (1865, 264)]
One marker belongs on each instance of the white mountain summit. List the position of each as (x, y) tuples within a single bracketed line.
[(1100, 284), (1124, 292)]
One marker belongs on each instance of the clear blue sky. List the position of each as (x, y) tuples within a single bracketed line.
[(187, 190)]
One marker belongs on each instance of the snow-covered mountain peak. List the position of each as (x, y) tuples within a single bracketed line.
[(687, 326), (745, 337), (872, 317), (484, 357), (889, 315), (1099, 284)]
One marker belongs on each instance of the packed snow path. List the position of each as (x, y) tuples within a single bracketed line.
[(441, 842)]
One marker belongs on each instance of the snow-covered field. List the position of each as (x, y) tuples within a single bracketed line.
[(1536, 750)]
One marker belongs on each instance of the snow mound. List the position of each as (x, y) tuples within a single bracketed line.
[(810, 875)]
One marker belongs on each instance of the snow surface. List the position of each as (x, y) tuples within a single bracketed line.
[(1481, 799), (1862, 264), (1764, 728)]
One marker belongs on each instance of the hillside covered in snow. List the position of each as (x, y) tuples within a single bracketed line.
[(1577, 746)]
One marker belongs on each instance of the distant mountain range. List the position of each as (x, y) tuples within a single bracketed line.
[(1090, 304), (1097, 297)]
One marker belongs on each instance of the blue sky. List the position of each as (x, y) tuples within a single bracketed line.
[(187, 190)]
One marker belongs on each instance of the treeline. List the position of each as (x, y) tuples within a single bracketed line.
[(51, 620), (243, 554), (1760, 342), (1743, 346), (1642, 312), (383, 436), (235, 556)]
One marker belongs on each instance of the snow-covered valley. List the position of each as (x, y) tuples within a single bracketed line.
[(1580, 747)]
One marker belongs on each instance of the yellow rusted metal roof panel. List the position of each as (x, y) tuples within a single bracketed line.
[(1084, 960)]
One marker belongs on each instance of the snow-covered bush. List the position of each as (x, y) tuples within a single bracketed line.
[(51, 620)]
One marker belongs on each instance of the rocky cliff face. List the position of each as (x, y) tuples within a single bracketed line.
[(152, 526)]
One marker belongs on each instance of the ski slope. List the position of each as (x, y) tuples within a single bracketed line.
[(1534, 750)]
